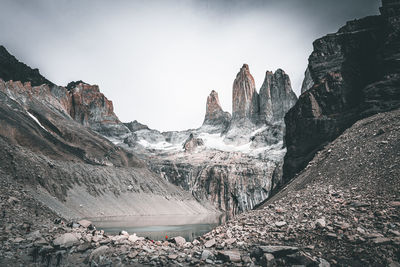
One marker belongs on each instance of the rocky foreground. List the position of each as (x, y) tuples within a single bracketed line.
[(342, 210)]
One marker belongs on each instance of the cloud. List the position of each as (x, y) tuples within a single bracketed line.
[(158, 60)]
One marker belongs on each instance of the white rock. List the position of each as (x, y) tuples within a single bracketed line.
[(66, 240)]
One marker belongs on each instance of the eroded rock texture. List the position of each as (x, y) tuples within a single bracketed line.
[(244, 96), (355, 74), (215, 116), (276, 96)]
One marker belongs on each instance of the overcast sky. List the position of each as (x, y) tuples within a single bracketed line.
[(158, 60)]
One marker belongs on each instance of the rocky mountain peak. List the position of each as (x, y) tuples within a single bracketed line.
[(12, 69), (214, 113), (276, 96), (244, 96)]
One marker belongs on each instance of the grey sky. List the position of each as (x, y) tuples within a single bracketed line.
[(158, 60)]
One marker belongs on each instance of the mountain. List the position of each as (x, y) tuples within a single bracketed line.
[(355, 74), (235, 161), (12, 69), (48, 145)]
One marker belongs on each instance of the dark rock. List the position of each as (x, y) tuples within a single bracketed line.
[(279, 251), (355, 74), (12, 69)]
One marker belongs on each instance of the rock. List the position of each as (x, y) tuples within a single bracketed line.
[(83, 247), (230, 241), (279, 251), (244, 96), (395, 204), (192, 143), (268, 260), (180, 241), (320, 223), (215, 116), (381, 241), (12, 200), (12, 69), (354, 76), (172, 256), (323, 263), (125, 233), (280, 224), (210, 243), (307, 82), (276, 96), (133, 238), (85, 223), (66, 240), (206, 254), (18, 240), (100, 251), (229, 256), (133, 254), (195, 242)]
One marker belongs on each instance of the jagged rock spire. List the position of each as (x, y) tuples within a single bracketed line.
[(276, 96), (244, 96), (214, 112)]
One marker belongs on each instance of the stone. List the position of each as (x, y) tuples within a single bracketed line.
[(192, 143), (320, 223), (66, 240), (230, 241), (229, 256), (133, 254), (133, 238), (12, 200), (180, 241), (195, 242), (210, 243), (85, 223), (280, 224), (206, 254), (279, 250), (381, 241), (100, 251), (83, 247), (173, 256), (268, 260)]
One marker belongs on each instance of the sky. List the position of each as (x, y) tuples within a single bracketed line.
[(158, 60)]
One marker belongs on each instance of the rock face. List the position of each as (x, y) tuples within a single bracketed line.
[(307, 82), (192, 143), (244, 96), (232, 163), (356, 73), (276, 96), (91, 108), (215, 116), (78, 171), (12, 69)]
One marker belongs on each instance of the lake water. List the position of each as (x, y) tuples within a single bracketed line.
[(157, 227)]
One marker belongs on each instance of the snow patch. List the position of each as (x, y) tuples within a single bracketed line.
[(37, 121), (161, 145)]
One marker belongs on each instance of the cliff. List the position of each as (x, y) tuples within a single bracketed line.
[(355, 74)]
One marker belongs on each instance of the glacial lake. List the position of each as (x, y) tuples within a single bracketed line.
[(158, 226)]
